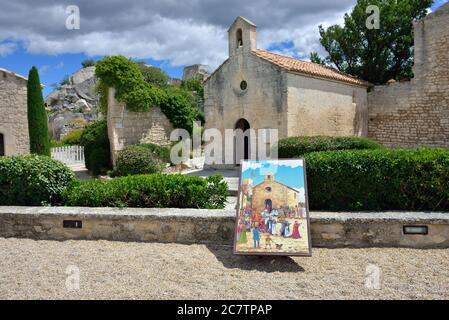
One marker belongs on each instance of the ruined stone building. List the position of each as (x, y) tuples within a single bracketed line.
[(416, 113), (257, 89), (196, 71), (14, 137)]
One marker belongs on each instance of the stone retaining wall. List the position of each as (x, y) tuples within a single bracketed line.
[(329, 229), (416, 113)]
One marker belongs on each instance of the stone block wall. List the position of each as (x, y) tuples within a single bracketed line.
[(127, 128), (13, 111), (416, 113)]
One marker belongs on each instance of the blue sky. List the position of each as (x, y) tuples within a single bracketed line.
[(53, 68), (288, 175), (166, 34)]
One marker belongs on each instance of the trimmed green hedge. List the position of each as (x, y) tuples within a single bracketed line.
[(137, 159), (157, 190), (379, 180), (97, 154), (295, 147), (32, 180)]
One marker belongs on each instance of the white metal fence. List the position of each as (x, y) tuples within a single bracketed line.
[(68, 154)]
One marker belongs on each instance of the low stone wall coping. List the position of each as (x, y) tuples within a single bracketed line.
[(322, 216), (328, 229)]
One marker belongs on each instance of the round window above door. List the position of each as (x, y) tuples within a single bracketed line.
[(243, 85)]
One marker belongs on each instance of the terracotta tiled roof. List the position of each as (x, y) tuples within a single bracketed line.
[(313, 69)]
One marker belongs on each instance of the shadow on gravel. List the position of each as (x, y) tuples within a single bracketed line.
[(259, 263)]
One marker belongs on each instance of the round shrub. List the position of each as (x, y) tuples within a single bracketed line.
[(97, 155), (32, 180), (73, 138), (379, 180), (137, 159), (295, 147), (162, 152), (148, 191)]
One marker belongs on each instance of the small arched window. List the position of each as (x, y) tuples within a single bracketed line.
[(239, 37), (2, 145)]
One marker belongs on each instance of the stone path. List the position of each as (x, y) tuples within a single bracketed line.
[(80, 171), (117, 270), (230, 176)]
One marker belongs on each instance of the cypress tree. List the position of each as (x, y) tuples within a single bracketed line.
[(37, 116)]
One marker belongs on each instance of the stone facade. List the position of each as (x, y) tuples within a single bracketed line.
[(416, 113), (126, 127), (272, 193), (271, 95), (14, 118)]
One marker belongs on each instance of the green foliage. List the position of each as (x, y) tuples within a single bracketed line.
[(375, 55), (295, 147), (73, 138), (193, 85), (88, 63), (32, 180), (315, 58), (157, 190), (138, 160), (37, 116), (162, 152), (124, 75), (56, 144), (97, 153), (153, 75), (102, 91), (379, 180), (64, 81)]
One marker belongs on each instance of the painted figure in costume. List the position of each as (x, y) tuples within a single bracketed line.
[(269, 224), (256, 236), (262, 227), (268, 241), (273, 227), (285, 229), (296, 234), (242, 237)]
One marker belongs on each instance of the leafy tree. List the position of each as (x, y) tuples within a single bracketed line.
[(315, 58), (153, 75), (88, 63), (375, 55), (37, 117)]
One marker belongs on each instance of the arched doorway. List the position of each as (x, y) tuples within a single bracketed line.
[(243, 125), (268, 205), (2, 145)]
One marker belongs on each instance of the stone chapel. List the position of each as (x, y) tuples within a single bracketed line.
[(258, 89)]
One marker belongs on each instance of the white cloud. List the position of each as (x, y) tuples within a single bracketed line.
[(183, 32), (7, 48), (247, 165)]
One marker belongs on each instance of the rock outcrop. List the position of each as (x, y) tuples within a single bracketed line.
[(73, 105)]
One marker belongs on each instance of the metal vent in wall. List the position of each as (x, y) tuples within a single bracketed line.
[(72, 224)]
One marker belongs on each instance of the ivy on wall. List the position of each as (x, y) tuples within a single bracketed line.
[(124, 75)]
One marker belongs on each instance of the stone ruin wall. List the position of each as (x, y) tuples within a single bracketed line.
[(127, 128), (416, 113), (13, 110)]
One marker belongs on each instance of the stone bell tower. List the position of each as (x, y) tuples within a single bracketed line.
[(241, 36)]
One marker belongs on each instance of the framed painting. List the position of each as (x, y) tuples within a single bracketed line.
[(272, 209)]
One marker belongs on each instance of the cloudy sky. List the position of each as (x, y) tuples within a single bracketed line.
[(169, 34)]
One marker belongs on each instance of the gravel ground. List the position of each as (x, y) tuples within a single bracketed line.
[(116, 270)]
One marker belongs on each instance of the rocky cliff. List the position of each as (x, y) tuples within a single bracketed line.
[(73, 105)]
